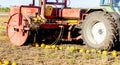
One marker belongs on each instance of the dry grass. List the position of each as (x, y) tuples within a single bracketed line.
[(29, 55), (3, 22), (3, 18)]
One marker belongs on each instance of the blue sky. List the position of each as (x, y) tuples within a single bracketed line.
[(74, 3)]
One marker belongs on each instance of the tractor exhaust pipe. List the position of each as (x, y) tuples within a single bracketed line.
[(33, 2)]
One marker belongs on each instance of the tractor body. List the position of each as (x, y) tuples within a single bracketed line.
[(51, 22), (45, 22)]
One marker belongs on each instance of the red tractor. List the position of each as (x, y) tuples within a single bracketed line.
[(52, 22)]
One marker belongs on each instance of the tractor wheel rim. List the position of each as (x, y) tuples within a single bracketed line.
[(99, 32), (19, 37)]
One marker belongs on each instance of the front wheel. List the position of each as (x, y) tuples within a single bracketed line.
[(15, 31), (99, 30)]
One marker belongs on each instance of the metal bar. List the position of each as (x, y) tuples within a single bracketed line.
[(65, 3), (58, 3), (20, 17), (33, 2), (54, 3), (20, 14)]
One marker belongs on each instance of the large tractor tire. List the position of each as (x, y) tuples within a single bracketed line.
[(99, 30)]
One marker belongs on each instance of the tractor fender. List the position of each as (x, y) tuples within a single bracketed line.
[(93, 10)]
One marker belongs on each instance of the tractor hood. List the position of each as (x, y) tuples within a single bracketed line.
[(111, 5)]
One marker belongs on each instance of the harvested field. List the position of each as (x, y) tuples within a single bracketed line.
[(70, 54)]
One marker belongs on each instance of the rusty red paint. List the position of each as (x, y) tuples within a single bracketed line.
[(70, 13), (15, 32), (52, 26)]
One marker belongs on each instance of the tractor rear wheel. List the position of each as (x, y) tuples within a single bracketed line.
[(15, 30), (99, 30)]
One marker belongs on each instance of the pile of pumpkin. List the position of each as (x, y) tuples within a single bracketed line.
[(7, 62), (52, 46), (72, 48)]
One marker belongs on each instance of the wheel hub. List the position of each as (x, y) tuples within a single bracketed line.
[(99, 32)]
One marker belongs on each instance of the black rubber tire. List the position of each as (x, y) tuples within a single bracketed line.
[(111, 30), (116, 16)]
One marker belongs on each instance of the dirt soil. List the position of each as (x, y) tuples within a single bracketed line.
[(69, 55)]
